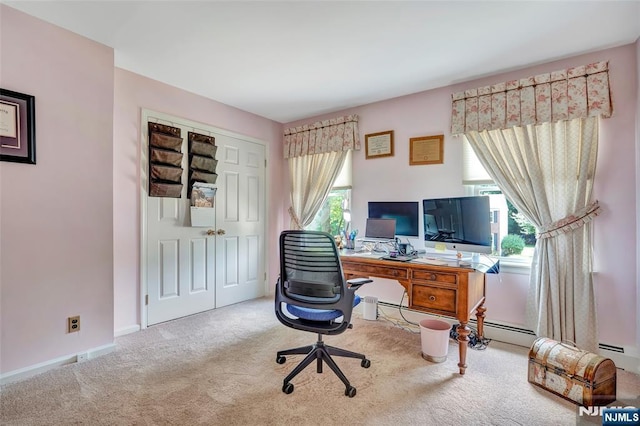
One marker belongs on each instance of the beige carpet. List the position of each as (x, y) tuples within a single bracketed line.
[(218, 368)]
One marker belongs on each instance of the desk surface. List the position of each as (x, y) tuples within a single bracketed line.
[(487, 266)]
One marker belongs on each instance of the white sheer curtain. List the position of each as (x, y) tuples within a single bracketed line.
[(312, 178), (537, 137), (547, 172), (316, 154)]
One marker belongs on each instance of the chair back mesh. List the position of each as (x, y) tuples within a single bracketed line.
[(310, 267), (311, 277)]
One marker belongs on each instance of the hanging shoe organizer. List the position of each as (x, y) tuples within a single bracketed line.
[(202, 178), (202, 162), (165, 161)]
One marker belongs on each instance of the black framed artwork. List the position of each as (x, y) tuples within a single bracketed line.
[(17, 127)]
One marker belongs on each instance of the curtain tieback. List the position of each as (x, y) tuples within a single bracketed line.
[(571, 222), (295, 218)]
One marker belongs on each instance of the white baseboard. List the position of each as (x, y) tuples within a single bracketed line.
[(126, 330), (626, 358), (26, 372)]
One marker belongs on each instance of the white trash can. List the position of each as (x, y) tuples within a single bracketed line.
[(434, 335)]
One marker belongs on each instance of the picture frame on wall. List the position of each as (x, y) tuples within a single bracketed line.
[(426, 150), (17, 127), (379, 144)]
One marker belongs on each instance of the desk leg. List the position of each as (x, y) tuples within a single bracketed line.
[(480, 316), (463, 339)]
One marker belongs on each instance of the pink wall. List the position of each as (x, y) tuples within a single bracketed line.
[(56, 216), (615, 247), (133, 92)]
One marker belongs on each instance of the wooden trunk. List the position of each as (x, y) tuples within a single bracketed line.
[(582, 377)]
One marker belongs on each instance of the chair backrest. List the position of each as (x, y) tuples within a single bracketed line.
[(311, 277)]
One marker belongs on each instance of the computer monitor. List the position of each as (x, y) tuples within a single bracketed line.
[(380, 229), (404, 212), (462, 224)]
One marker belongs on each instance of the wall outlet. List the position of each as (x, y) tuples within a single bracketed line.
[(73, 324)]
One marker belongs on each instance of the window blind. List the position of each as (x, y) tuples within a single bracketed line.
[(473, 173), (343, 181)]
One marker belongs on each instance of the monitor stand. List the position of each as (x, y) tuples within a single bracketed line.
[(453, 256)]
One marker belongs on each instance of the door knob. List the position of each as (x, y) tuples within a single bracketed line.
[(220, 232), (210, 232)]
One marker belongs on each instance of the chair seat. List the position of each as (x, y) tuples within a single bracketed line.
[(318, 314)]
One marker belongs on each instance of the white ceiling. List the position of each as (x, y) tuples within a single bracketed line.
[(296, 59)]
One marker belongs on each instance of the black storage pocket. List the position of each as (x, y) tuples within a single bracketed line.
[(203, 148), (203, 163), (199, 176), (159, 189), (160, 140), (163, 156), (166, 173)]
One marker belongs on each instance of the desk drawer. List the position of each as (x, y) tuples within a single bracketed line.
[(440, 299), (440, 277), (376, 271)]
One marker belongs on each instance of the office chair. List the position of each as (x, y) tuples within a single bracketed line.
[(311, 294)]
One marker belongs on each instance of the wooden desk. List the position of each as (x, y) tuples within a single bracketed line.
[(444, 290)]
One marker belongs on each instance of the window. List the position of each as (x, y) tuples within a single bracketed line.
[(514, 237), (331, 217)]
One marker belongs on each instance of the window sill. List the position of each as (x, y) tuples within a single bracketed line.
[(512, 265)]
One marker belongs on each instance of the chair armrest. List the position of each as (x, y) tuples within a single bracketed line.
[(355, 283)]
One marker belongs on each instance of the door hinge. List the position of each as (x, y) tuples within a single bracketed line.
[(265, 275), (146, 299), (265, 162)]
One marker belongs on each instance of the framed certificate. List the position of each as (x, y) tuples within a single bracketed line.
[(17, 127), (426, 150), (379, 144)]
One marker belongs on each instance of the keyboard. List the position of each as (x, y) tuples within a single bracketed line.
[(399, 258)]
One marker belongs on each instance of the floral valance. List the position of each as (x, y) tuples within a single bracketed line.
[(560, 95), (336, 134)]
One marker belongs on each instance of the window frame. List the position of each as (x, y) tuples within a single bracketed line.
[(507, 263)]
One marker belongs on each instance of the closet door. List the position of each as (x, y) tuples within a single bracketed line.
[(185, 269), (240, 221)]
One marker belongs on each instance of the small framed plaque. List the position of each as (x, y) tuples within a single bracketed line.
[(379, 144), (426, 150)]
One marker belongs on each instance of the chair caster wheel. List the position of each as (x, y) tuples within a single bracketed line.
[(350, 392), (365, 363), (288, 388), (280, 359)]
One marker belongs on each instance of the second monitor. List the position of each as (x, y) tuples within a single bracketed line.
[(404, 212)]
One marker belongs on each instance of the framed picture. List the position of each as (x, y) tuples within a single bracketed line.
[(426, 150), (379, 144), (17, 127)]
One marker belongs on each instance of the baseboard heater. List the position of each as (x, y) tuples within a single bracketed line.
[(510, 328)]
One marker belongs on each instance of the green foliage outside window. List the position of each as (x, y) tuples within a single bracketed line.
[(512, 244), (330, 217)]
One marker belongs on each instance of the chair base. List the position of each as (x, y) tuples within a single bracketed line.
[(320, 352)]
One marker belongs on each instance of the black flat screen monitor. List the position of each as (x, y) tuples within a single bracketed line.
[(458, 223), (404, 212), (380, 229)]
